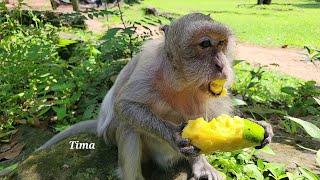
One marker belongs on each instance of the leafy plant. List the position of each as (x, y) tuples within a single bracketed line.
[(257, 85), (303, 99), (62, 81), (243, 165), (312, 54), (310, 128), (253, 80)]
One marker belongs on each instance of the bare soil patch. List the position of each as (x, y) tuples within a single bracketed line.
[(290, 61)]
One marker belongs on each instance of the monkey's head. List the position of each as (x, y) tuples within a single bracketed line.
[(199, 50)]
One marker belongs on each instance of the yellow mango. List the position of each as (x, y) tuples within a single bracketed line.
[(223, 133), (217, 87)]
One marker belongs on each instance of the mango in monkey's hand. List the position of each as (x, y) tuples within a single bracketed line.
[(223, 133), (216, 87)]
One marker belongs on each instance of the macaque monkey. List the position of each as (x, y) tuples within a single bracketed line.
[(158, 91)]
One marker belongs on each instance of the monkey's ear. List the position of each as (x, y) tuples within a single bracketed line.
[(165, 29)]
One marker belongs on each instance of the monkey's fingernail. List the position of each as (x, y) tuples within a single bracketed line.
[(184, 142)]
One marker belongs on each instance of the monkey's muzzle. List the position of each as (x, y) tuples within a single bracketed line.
[(216, 87)]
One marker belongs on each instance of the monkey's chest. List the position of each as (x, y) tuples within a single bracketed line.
[(175, 113)]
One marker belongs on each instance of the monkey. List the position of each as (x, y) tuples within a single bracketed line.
[(159, 90)]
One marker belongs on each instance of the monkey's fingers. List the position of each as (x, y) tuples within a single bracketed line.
[(183, 142), (267, 135), (181, 126), (190, 151)]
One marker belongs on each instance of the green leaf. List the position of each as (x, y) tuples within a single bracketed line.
[(253, 172), (238, 102), (317, 100), (62, 87), (90, 16), (65, 42), (290, 176), (310, 128), (260, 164), (308, 174), (289, 90), (310, 83), (8, 170), (61, 127), (251, 84), (235, 62), (60, 111), (111, 33), (267, 150), (276, 169), (43, 111)]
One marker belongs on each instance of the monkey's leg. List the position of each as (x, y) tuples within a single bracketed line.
[(129, 152), (160, 151), (201, 169)]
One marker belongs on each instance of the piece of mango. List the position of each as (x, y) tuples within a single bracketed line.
[(217, 87), (223, 133)]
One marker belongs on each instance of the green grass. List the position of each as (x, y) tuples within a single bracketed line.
[(291, 22)]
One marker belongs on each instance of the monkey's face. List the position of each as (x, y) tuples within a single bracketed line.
[(205, 54)]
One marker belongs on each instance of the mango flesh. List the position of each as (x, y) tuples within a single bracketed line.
[(217, 87), (223, 133)]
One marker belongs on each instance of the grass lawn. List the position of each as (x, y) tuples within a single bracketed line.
[(292, 22)]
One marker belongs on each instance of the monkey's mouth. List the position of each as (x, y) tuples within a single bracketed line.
[(214, 91), (207, 88), (216, 88)]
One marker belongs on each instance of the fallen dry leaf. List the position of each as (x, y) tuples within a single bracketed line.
[(13, 152)]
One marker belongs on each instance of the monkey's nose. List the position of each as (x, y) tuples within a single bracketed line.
[(219, 67)]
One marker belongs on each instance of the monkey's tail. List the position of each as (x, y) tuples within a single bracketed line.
[(89, 126)]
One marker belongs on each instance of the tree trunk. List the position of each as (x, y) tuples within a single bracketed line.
[(264, 2), (75, 5), (53, 4)]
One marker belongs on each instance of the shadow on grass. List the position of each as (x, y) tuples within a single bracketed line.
[(273, 7), (238, 13), (308, 5)]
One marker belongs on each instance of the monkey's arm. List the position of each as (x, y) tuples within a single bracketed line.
[(142, 118)]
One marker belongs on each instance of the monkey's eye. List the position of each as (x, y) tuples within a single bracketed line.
[(205, 43)]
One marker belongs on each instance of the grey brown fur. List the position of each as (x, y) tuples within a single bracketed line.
[(161, 88)]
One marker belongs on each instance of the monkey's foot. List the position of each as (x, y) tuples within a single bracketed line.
[(201, 169)]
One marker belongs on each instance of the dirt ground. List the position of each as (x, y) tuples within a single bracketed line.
[(291, 61)]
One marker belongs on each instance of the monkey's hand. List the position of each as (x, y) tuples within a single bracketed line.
[(267, 135), (183, 145)]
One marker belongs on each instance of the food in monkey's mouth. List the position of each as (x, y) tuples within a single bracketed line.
[(223, 133), (216, 87)]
